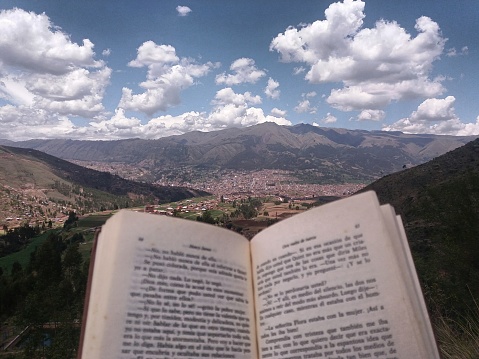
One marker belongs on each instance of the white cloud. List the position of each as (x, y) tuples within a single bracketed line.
[(375, 65), (44, 76), (435, 116), (244, 71), (183, 10), (228, 96), (298, 70), (329, 119), (156, 56), (79, 92), (278, 113), (371, 115), (22, 123), (30, 42), (13, 89), (452, 52), (233, 110), (118, 126), (271, 89), (230, 110), (167, 76), (106, 52), (434, 109), (305, 106)]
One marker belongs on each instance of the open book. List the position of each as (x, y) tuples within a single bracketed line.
[(336, 281)]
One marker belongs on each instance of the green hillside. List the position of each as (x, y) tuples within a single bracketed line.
[(439, 203)]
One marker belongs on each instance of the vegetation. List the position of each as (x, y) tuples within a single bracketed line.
[(459, 338), (44, 289), (42, 283), (439, 203), (69, 185), (15, 239), (47, 298), (248, 208)]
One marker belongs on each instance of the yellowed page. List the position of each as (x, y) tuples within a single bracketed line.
[(328, 285), (411, 280), (170, 288)]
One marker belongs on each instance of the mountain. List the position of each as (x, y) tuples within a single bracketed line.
[(32, 181), (439, 204), (340, 155)]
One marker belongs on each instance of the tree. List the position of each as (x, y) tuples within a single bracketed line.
[(16, 269), (206, 217), (72, 218)]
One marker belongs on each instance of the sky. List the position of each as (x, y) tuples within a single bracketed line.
[(115, 69)]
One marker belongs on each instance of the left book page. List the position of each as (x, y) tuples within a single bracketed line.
[(164, 287)]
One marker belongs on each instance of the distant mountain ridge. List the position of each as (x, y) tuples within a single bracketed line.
[(22, 168), (354, 154)]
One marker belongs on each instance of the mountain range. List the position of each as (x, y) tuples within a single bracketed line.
[(32, 182), (438, 200), (338, 154)]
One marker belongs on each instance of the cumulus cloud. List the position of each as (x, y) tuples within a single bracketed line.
[(375, 65), (24, 122), (167, 76), (230, 109), (31, 43), (244, 71), (118, 126), (278, 113), (228, 96), (435, 116), (371, 115), (183, 10), (271, 89), (329, 119), (304, 106), (44, 76), (452, 52), (234, 110)]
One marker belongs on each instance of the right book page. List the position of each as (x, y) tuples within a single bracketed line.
[(335, 282)]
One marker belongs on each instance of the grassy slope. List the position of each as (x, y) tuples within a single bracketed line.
[(439, 203), (84, 225), (23, 256)]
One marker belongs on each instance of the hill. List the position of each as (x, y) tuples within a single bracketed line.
[(34, 184), (339, 155), (439, 203)]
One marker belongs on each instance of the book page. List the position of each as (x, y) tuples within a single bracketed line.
[(169, 288), (411, 280), (328, 285)]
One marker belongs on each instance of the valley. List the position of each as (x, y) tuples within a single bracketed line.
[(437, 199)]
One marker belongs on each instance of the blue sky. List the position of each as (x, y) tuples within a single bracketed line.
[(121, 69)]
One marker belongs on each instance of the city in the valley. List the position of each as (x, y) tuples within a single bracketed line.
[(282, 193)]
